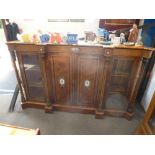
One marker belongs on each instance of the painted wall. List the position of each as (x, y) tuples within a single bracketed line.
[(149, 33), (148, 36), (32, 25), (149, 91)]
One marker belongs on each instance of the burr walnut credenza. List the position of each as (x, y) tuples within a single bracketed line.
[(79, 78)]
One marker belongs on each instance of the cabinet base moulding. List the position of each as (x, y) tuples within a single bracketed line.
[(99, 114), (118, 113), (78, 109), (48, 109), (37, 105)]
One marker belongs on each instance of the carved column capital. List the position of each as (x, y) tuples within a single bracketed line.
[(42, 53)]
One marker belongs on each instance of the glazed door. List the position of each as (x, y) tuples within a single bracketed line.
[(32, 76), (87, 79), (60, 72), (123, 76)]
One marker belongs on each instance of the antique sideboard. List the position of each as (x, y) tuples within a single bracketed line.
[(79, 78)]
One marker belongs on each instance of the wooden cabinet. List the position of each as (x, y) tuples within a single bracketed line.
[(117, 24), (120, 21), (86, 79)]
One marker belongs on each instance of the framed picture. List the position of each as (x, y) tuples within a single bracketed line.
[(77, 20), (66, 20), (58, 20)]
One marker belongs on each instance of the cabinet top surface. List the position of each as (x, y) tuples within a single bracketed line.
[(81, 44)]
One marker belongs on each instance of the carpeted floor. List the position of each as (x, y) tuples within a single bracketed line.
[(64, 122)]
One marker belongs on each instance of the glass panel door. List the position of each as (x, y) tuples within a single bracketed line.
[(33, 77)]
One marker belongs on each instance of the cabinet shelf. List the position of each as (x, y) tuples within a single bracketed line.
[(36, 84), (117, 89), (40, 98), (121, 74)]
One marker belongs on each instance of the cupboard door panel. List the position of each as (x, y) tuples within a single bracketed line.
[(122, 66), (121, 74), (87, 79), (60, 72), (32, 76)]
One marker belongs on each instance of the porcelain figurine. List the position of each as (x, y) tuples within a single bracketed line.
[(133, 34)]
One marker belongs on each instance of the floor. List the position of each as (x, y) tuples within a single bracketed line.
[(57, 122), (64, 122)]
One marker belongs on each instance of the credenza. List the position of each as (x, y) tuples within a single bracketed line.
[(94, 79)]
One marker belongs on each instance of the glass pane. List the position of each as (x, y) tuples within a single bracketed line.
[(119, 83), (36, 93), (33, 77), (30, 59), (122, 66), (116, 101)]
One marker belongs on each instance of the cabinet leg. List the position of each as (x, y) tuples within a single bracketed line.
[(23, 105), (130, 113), (128, 116), (48, 109), (130, 109), (99, 114)]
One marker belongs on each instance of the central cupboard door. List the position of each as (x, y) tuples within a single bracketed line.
[(87, 79), (61, 77)]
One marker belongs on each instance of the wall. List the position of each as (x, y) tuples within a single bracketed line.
[(30, 25), (148, 34), (149, 90)]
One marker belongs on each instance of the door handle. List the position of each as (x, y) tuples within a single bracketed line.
[(87, 83), (62, 82)]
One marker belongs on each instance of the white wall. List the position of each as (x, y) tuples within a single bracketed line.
[(62, 27), (149, 91), (148, 94)]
